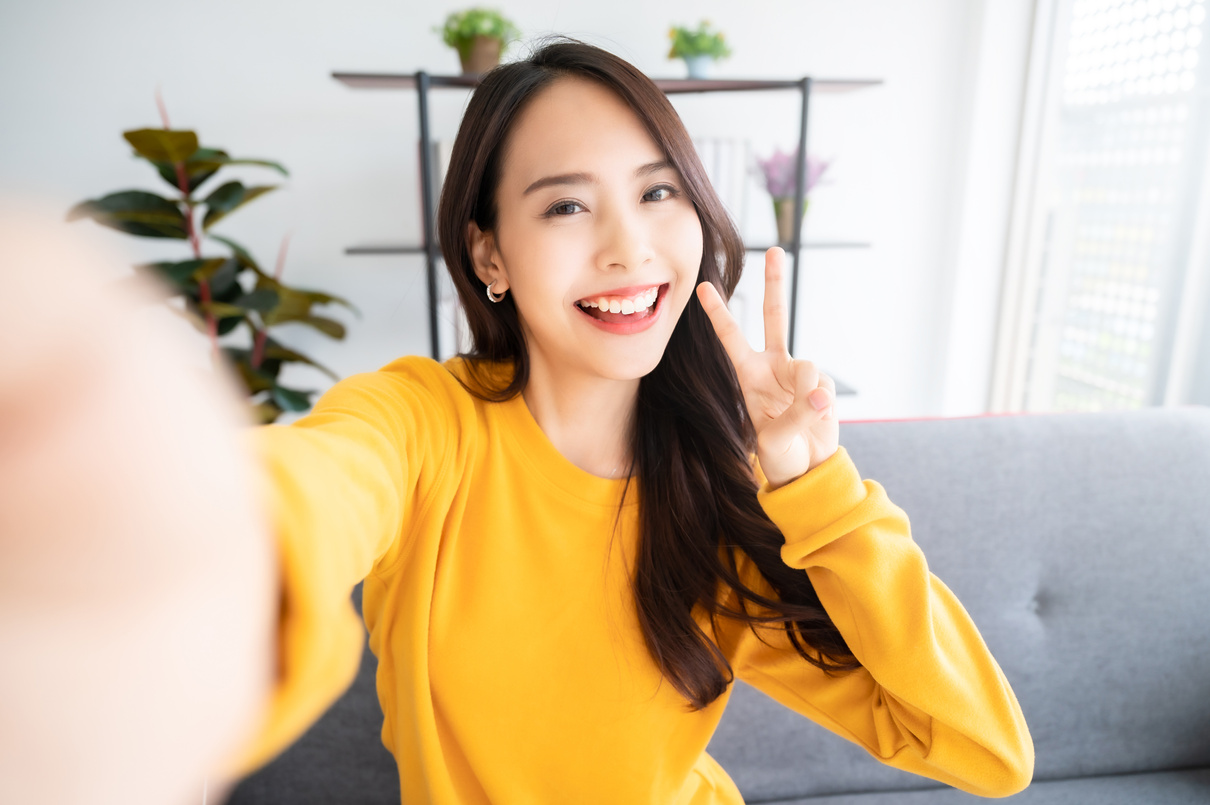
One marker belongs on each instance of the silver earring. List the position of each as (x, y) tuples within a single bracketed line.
[(491, 296)]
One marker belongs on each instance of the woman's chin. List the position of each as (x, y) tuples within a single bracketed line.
[(632, 364)]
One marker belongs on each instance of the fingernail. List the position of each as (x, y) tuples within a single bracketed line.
[(818, 399)]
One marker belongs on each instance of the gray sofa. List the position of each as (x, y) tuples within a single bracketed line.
[(1080, 544)]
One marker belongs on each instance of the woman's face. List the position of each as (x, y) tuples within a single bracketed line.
[(591, 218)]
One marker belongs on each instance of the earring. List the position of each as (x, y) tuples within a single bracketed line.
[(493, 297)]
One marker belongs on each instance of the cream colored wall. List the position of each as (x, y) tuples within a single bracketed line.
[(254, 77)]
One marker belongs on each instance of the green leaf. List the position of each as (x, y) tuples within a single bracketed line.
[(207, 162), (295, 304), (180, 274), (265, 413), (226, 325), (291, 305), (223, 282), (291, 400), (329, 327), (221, 310), (261, 300), (220, 159), (198, 168), (135, 212), (162, 145), (228, 198), (254, 380), (276, 352)]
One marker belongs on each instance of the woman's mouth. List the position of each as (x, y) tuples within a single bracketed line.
[(625, 314)]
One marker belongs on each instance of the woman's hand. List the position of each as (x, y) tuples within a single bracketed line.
[(138, 583), (789, 401)]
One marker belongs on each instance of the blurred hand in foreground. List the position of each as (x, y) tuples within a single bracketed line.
[(137, 581)]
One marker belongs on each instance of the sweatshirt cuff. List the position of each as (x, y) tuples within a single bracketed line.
[(815, 500)]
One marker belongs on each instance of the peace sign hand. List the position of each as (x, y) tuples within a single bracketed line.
[(789, 401)]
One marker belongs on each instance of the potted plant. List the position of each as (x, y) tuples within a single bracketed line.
[(480, 35), (779, 178), (699, 48), (221, 292)]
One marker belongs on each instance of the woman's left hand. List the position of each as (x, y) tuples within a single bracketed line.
[(789, 401)]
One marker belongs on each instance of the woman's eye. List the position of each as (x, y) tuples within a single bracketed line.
[(563, 208), (668, 191)]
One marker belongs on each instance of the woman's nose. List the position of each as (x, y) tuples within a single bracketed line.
[(625, 241)]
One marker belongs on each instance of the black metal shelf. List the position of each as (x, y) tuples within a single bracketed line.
[(423, 83)]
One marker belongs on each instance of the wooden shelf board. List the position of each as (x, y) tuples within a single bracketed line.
[(813, 244), (668, 85), (825, 85)]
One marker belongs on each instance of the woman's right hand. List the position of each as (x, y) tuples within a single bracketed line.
[(138, 587)]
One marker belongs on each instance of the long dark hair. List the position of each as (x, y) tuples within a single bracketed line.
[(692, 440)]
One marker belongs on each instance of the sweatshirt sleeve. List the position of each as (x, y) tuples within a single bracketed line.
[(338, 486), (929, 697)]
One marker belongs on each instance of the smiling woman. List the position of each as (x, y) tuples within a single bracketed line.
[(576, 536)]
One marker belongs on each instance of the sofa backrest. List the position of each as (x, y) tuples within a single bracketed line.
[(1080, 545)]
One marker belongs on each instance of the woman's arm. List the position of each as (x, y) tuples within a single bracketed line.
[(165, 568), (337, 485), (929, 697)]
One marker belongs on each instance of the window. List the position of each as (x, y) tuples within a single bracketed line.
[(1096, 308)]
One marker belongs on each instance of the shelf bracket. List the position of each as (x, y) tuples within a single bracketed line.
[(800, 194), (427, 212)]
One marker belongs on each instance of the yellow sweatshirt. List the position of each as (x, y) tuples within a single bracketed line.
[(497, 595)]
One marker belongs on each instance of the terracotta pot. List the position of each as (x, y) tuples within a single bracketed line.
[(783, 211), (480, 54)]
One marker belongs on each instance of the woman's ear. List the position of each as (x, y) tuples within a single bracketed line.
[(485, 258)]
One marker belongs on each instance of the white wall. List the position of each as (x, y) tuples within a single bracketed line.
[(254, 77)]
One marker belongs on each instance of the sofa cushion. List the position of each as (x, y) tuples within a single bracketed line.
[(1079, 545), (1190, 787)]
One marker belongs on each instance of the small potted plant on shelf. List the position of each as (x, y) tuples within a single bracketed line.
[(779, 177), (480, 35), (699, 48)]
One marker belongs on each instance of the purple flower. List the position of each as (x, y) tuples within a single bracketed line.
[(778, 172)]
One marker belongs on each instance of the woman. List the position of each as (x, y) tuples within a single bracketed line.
[(568, 550), (576, 536)]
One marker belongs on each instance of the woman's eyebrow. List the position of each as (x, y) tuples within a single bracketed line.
[(589, 178)]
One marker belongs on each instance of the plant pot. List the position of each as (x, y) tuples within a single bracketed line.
[(783, 212), (479, 54), (700, 67)]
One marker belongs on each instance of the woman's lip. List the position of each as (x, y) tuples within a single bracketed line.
[(630, 290), (629, 327)]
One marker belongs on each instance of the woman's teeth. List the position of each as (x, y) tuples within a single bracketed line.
[(633, 304)]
